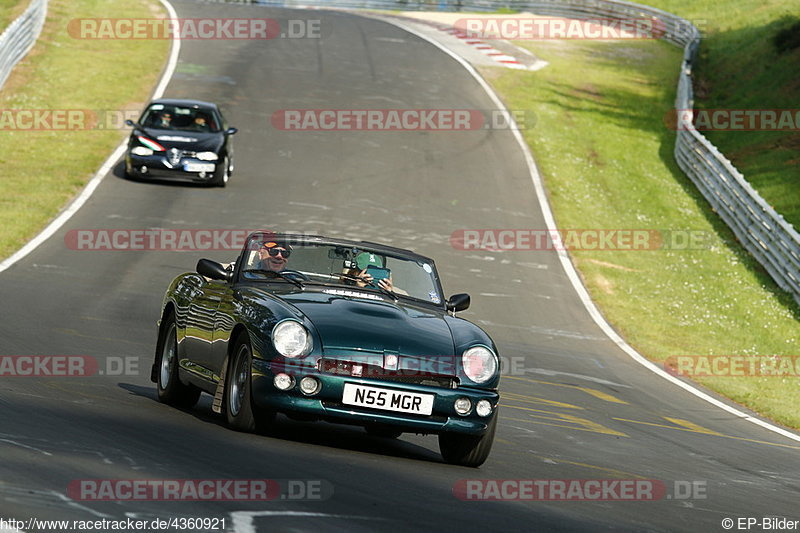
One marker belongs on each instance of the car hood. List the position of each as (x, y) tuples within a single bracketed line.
[(348, 323), (185, 140)]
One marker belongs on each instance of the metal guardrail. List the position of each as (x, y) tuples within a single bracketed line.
[(762, 231), (20, 36)]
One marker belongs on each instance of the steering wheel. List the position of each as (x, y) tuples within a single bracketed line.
[(295, 273)]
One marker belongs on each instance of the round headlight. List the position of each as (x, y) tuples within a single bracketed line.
[(309, 385), (480, 364), (463, 406), (207, 156), (484, 408), (141, 150), (283, 381), (291, 339)]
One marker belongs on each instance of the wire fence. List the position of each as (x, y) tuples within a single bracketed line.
[(20, 36)]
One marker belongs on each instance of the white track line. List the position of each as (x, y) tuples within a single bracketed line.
[(570, 269), (87, 191)]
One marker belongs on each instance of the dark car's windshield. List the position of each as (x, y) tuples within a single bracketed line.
[(180, 118), (343, 266)]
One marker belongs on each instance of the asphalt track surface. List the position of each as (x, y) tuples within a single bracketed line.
[(578, 408)]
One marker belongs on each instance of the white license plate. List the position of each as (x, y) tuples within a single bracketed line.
[(199, 167), (387, 399)]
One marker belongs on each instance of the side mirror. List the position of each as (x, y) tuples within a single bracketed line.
[(212, 269), (458, 302), (231, 131), (130, 123)]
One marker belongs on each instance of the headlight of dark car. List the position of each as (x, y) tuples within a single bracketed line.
[(291, 339), (141, 151), (480, 364), (207, 156)]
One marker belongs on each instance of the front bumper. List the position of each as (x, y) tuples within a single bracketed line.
[(157, 167), (327, 403)]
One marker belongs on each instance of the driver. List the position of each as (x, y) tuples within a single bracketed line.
[(162, 121), (200, 123), (273, 255)]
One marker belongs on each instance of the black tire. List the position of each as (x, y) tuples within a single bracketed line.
[(468, 450), (222, 173), (170, 389), (241, 413), (384, 432), (129, 174)]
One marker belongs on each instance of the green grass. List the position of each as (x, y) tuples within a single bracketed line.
[(9, 10), (43, 170), (742, 66), (606, 157)]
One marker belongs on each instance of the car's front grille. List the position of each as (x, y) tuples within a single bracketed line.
[(431, 381), (367, 371)]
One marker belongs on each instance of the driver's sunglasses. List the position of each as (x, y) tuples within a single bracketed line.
[(275, 251)]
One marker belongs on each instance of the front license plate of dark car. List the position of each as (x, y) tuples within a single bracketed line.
[(199, 167), (387, 399)]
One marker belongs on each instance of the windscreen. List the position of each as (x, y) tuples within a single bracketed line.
[(180, 118), (341, 265)]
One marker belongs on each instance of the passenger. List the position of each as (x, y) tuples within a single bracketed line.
[(363, 261)]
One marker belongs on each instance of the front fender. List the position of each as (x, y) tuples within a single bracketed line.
[(465, 335)]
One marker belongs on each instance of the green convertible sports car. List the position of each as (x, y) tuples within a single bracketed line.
[(338, 330)]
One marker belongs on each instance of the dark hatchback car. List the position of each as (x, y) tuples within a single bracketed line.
[(187, 140), (293, 327)]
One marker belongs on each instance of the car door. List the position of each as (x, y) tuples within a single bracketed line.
[(224, 321), (200, 325)]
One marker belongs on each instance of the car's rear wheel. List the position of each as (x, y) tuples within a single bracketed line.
[(468, 450), (222, 173), (170, 388), (384, 432), (241, 412)]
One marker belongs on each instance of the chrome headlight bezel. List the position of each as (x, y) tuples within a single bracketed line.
[(206, 156), (482, 357), (291, 339)]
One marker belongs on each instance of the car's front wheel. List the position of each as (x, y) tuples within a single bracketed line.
[(170, 389), (129, 173), (468, 450), (241, 413), (222, 173)]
